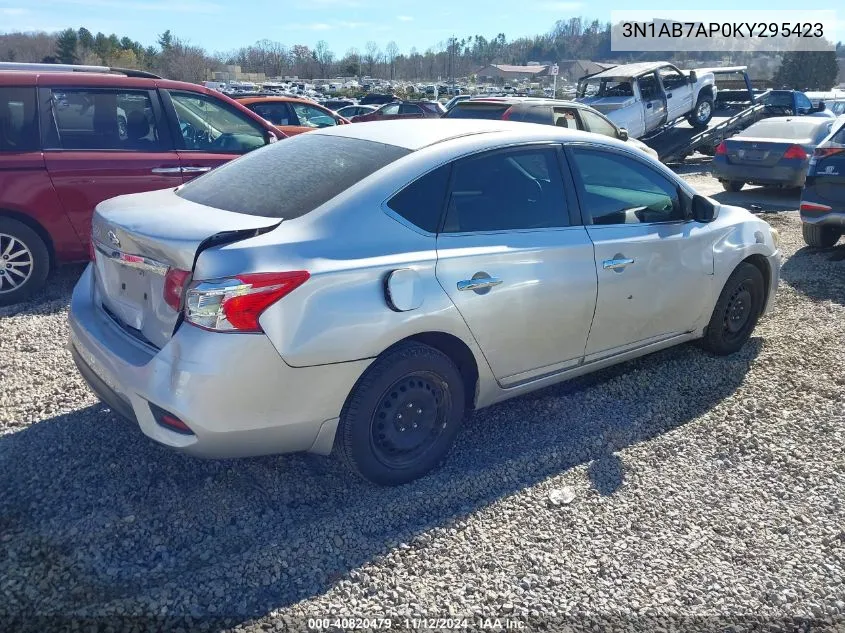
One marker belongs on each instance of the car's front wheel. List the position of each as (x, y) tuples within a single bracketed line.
[(733, 185), (403, 415), (820, 236), (24, 261), (702, 113), (737, 310)]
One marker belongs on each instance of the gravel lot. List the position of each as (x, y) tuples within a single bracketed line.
[(679, 489)]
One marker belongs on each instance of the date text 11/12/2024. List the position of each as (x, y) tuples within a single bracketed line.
[(410, 624)]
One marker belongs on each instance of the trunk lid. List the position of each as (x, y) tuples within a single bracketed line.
[(139, 237), (762, 152)]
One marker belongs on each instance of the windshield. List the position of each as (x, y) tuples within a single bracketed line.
[(805, 128), (290, 178), (605, 87)]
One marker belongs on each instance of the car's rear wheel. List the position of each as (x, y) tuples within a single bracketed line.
[(24, 261), (702, 113), (737, 311), (820, 236), (402, 416), (733, 185)]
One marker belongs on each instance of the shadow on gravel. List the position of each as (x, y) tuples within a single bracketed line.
[(769, 199), (96, 519), (818, 273), (53, 298)]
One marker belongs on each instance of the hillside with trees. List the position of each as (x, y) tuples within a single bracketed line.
[(172, 57)]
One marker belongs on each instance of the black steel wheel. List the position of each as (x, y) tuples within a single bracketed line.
[(403, 415), (737, 311)]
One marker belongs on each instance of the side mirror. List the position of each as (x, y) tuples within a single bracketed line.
[(623, 134), (702, 209), (693, 77), (269, 138)]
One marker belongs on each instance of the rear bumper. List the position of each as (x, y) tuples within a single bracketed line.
[(776, 175), (233, 390), (824, 218)]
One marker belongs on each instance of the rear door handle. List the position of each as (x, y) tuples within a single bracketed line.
[(617, 264), (478, 283), (195, 170), (166, 170), (668, 94)]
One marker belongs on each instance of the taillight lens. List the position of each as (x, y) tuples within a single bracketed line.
[(821, 152), (174, 286), (815, 206), (795, 151), (721, 149), (234, 304)]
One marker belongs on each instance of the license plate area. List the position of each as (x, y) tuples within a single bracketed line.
[(753, 154), (127, 289)]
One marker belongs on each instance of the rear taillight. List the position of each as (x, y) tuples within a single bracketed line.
[(795, 151), (814, 206), (235, 304), (821, 152), (721, 149), (174, 287)]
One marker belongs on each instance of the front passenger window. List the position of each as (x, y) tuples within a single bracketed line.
[(617, 189), (208, 124)]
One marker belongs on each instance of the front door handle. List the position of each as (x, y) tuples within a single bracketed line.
[(195, 170), (617, 264), (166, 170), (478, 283), (668, 95)]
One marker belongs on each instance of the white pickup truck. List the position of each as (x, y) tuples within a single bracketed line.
[(645, 96)]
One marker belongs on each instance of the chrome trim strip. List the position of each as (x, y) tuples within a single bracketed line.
[(133, 261)]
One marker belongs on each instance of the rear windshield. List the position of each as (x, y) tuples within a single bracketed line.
[(292, 177), (465, 110), (792, 129)]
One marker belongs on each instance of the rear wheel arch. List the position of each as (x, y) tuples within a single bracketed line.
[(36, 226), (460, 354)]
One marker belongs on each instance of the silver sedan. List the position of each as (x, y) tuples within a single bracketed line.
[(364, 288)]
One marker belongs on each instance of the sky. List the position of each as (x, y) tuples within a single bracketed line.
[(223, 25)]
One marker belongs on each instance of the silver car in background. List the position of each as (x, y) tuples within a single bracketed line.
[(364, 288)]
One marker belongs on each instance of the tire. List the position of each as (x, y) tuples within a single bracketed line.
[(23, 251), (820, 236), (701, 113), (733, 185), (408, 379), (737, 311)]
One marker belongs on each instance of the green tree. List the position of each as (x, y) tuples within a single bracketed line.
[(807, 70), (66, 47), (86, 39), (165, 41)]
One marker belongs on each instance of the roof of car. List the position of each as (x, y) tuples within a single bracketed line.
[(630, 70), (518, 100), (69, 79), (270, 98), (414, 134)]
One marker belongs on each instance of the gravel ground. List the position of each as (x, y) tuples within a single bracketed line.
[(679, 490)]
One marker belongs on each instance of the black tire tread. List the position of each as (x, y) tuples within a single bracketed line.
[(351, 409), (712, 340), (693, 121), (819, 236)]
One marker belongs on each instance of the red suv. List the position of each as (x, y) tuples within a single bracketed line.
[(69, 140)]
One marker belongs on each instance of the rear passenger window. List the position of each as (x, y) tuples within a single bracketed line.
[(104, 120), (616, 189), (18, 120), (513, 190), (421, 202)]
